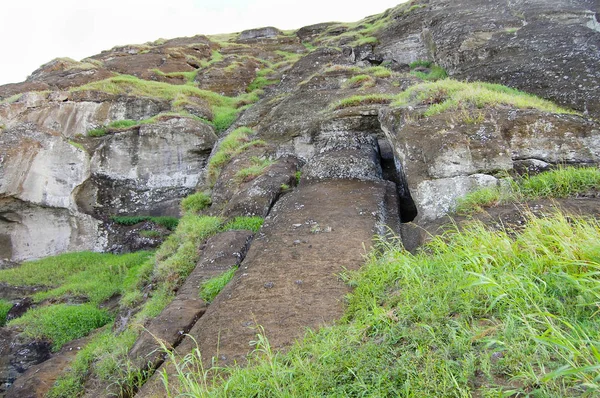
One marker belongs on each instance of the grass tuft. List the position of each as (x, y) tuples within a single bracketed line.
[(448, 94), (168, 222), (233, 144), (257, 168), (357, 100), (5, 306), (213, 286), (260, 82), (244, 223), (196, 202), (359, 81), (435, 73), (98, 132), (560, 183), (61, 323), (178, 255)]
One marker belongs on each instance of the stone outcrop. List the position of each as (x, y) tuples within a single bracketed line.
[(550, 48), (445, 157), (55, 194), (146, 170), (260, 33)]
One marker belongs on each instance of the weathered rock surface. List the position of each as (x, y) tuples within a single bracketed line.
[(53, 193), (146, 170), (39, 375), (58, 74), (547, 47), (18, 355), (260, 33), (288, 280), (445, 157), (39, 173), (73, 114), (257, 197)]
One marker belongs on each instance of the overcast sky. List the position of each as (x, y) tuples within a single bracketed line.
[(33, 32)]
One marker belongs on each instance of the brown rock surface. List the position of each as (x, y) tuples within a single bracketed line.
[(289, 280)]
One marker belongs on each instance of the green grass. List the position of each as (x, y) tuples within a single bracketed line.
[(289, 56), (61, 323), (76, 145), (435, 73), (260, 82), (103, 350), (151, 234), (373, 71), (167, 222), (379, 71), (98, 132), (233, 144), (366, 40), (257, 168), (244, 223), (560, 183), (225, 109), (420, 62), (106, 355), (216, 56), (123, 124), (178, 255), (187, 76), (116, 125), (12, 99), (447, 95), (359, 81), (357, 100), (5, 306), (309, 46), (478, 312), (94, 276), (213, 286), (196, 202)]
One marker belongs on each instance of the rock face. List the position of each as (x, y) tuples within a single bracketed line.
[(260, 33), (444, 157), (546, 47), (54, 193), (146, 170), (39, 174)]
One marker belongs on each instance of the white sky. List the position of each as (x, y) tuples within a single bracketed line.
[(33, 32)]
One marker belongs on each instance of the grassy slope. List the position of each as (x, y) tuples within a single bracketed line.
[(477, 312), (559, 183), (105, 355), (448, 94)]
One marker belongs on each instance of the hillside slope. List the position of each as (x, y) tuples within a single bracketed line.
[(331, 134)]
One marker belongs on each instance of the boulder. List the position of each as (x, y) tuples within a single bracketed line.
[(260, 33)]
